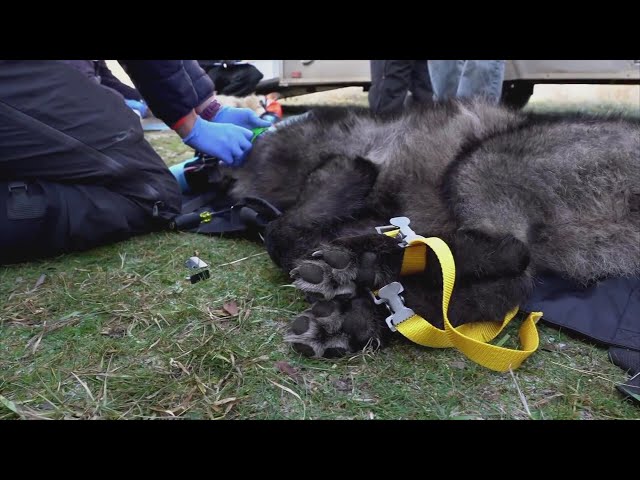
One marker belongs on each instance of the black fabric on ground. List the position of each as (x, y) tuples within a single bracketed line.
[(607, 312)]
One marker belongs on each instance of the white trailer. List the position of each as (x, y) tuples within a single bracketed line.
[(298, 77)]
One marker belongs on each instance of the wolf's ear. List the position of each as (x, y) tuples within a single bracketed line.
[(366, 168)]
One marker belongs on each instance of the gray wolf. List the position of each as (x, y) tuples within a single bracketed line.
[(514, 194)]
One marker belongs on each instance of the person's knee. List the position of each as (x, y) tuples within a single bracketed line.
[(41, 219)]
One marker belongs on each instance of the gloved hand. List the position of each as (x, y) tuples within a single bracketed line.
[(137, 106), (243, 117), (224, 141)]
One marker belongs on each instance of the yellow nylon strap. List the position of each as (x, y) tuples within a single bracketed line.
[(414, 259), (469, 338)]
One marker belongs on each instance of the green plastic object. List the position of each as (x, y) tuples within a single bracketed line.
[(258, 131)]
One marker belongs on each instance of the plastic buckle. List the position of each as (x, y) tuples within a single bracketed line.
[(389, 295), (155, 211), (406, 235), (382, 229), (18, 185), (201, 267)]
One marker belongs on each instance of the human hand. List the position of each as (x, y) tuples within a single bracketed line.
[(242, 117), (228, 143), (139, 107)]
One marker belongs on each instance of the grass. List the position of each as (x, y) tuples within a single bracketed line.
[(118, 333)]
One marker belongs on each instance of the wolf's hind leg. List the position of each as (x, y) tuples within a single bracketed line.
[(334, 328)]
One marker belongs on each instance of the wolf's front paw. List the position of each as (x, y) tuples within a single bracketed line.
[(329, 273)]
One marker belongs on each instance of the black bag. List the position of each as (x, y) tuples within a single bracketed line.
[(208, 208), (232, 77)]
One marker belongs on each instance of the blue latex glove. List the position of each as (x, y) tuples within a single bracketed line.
[(224, 141), (140, 107), (243, 117)]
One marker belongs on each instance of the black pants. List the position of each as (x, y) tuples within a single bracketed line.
[(75, 169), (391, 80)]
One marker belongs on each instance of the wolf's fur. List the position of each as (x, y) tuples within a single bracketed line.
[(513, 194)]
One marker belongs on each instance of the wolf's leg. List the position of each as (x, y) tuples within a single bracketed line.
[(372, 261), (334, 328), (491, 279), (472, 300), (334, 268), (333, 196)]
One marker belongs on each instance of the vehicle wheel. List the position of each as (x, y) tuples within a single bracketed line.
[(516, 94)]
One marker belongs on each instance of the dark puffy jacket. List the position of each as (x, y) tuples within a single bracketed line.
[(98, 71), (172, 88)]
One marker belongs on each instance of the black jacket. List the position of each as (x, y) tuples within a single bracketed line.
[(171, 87), (98, 71)]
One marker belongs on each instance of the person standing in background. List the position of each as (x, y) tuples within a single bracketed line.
[(393, 80), (467, 79)]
